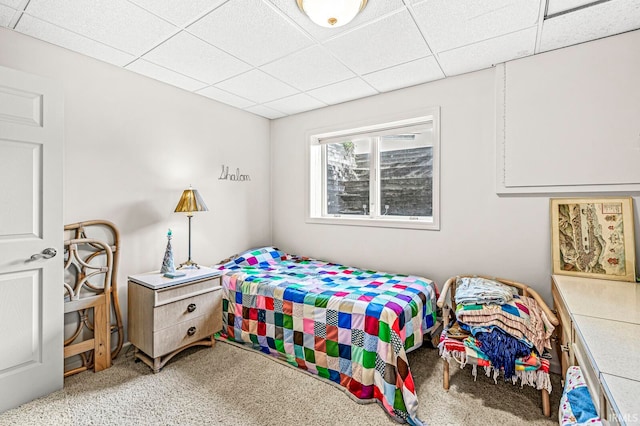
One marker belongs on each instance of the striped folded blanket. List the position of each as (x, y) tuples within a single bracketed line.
[(521, 317)]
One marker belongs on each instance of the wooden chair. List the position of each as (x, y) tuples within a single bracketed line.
[(91, 266), (446, 302)]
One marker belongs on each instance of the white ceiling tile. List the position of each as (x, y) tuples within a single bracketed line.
[(384, 43), (309, 68), (168, 76), (405, 75), (265, 112), (602, 20), (383, 48), (489, 52), (61, 37), (225, 97), (295, 104), (388, 42), (14, 4), (373, 10), (179, 12), (450, 24), (556, 6), (257, 86), (116, 23), (6, 14), (342, 92), (250, 30), (193, 57)]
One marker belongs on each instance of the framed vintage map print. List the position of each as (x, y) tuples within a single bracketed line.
[(593, 238)]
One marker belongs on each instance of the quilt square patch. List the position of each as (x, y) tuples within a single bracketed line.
[(320, 329), (332, 317), (277, 305), (357, 338)]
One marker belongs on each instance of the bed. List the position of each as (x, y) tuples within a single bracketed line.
[(351, 326)]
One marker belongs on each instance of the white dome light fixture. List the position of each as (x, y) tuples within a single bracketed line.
[(331, 13)]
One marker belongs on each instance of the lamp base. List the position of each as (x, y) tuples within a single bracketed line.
[(189, 264)]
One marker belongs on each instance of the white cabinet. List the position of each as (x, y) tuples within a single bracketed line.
[(600, 332)]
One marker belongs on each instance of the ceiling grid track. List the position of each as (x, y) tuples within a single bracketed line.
[(272, 60)]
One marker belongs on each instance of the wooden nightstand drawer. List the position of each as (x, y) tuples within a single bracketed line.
[(183, 310), (171, 294), (168, 339)]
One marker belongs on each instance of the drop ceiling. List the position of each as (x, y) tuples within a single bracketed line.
[(268, 58)]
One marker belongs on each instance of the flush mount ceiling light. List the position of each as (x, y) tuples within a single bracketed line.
[(331, 13)]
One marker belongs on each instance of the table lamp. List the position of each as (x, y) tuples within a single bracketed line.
[(190, 202)]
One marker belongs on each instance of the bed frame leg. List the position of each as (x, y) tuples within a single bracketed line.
[(445, 376), (546, 409)]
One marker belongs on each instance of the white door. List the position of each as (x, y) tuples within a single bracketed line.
[(31, 291)]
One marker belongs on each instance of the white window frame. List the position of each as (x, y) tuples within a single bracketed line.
[(316, 205)]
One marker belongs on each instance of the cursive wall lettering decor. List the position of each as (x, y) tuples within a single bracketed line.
[(236, 177)]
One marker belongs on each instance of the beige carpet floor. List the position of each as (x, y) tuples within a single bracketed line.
[(228, 385)]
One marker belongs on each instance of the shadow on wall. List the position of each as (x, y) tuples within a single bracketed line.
[(139, 215)]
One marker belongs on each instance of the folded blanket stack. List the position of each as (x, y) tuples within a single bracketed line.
[(521, 317), (509, 332)]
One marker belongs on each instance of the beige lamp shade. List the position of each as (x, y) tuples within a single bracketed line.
[(190, 202)]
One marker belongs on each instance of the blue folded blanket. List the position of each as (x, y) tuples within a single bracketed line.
[(502, 350)]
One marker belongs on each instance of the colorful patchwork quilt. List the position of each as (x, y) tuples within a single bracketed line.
[(351, 326)]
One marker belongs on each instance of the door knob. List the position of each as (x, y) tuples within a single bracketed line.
[(47, 253)]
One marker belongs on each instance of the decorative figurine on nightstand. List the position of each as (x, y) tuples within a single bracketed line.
[(168, 267)]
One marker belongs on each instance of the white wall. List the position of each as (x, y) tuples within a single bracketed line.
[(133, 144), (481, 233), (589, 95)]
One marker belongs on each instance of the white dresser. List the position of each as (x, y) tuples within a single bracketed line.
[(168, 315), (600, 331)]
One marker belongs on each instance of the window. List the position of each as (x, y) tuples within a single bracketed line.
[(377, 175)]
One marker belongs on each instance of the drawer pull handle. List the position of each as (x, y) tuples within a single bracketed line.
[(191, 307), (191, 331)]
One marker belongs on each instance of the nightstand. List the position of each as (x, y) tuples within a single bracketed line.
[(168, 315)]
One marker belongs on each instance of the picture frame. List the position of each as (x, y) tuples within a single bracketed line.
[(593, 237)]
